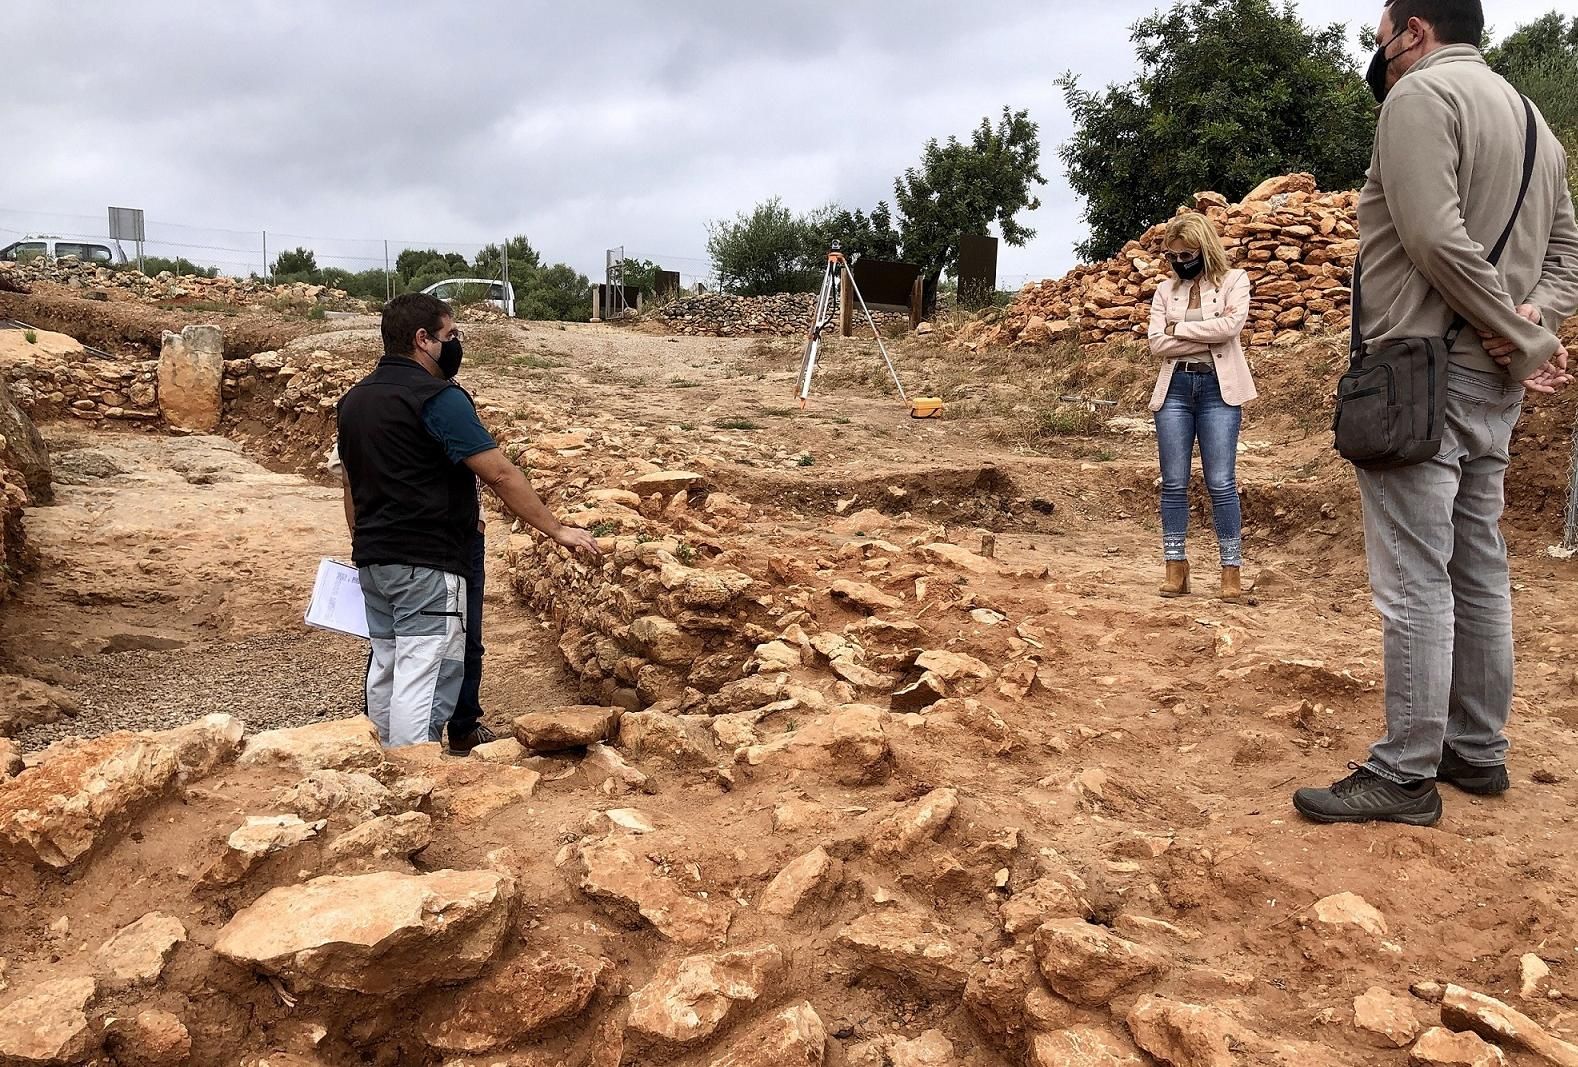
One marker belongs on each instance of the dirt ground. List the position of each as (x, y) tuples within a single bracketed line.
[(175, 572)]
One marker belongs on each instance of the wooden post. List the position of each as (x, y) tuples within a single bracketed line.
[(846, 306)]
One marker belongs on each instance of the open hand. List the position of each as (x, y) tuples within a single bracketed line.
[(577, 540), (1552, 377), (1499, 348)]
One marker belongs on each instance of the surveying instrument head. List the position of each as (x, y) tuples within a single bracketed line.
[(837, 274)]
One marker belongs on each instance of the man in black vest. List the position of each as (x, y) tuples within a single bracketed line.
[(413, 451)]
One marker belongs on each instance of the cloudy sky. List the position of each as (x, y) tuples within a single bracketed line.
[(583, 125)]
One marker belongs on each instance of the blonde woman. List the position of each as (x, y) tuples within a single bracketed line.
[(1196, 318)]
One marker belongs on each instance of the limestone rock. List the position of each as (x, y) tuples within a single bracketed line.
[(476, 791), (703, 590), (1349, 910), (1090, 964), (920, 694), (793, 1037), (1532, 973), (526, 995), (347, 797), (258, 838), (1440, 1047), (605, 764), (995, 995), (23, 448), (930, 1049), (847, 745), (375, 933), (918, 821), (956, 556), (386, 837), (953, 667), (152, 1038), (55, 813), (633, 891), (663, 642), (138, 951), (339, 745), (203, 746), (680, 740), (690, 998), (1082, 1046), (666, 482), (11, 763), (1182, 1035), (775, 656), (191, 371), (798, 882), (49, 1024), (1464, 1009), (1385, 1016), (866, 597), (906, 946), (1046, 898), (566, 728), (504, 750)]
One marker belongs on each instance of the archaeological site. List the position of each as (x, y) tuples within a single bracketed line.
[(866, 742)]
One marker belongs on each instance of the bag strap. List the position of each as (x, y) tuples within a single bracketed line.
[(1530, 147)]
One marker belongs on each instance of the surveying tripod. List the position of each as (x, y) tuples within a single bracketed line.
[(838, 273)]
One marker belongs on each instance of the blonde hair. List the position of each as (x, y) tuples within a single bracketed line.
[(1194, 230)]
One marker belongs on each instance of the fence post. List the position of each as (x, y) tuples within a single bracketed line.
[(388, 282), (509, 297), (1570, 525), (265, 255)]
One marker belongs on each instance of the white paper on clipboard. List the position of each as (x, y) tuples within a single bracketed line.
[(337, 602)]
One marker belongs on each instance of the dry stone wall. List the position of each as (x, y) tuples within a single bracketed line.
[(1296, 243), (722, 315), (234, 292)]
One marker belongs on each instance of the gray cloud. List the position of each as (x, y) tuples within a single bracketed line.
[(583, 125)]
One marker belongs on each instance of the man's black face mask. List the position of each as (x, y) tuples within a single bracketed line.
[(449, 357), (1376, 75)]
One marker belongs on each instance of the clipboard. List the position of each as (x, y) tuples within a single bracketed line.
[(337, 603)]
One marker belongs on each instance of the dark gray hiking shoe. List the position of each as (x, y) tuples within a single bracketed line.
[(1486, 780), (1365, 796), (462, 745)]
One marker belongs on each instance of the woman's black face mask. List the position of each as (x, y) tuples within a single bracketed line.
[(1187, 265)]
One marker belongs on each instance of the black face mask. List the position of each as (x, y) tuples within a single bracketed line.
[(449, 358), (1188, 269), (1376, 75)]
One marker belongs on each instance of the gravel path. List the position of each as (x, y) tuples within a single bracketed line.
[(268, 682)]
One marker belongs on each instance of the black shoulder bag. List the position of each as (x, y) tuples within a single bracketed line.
[(1391, 403)]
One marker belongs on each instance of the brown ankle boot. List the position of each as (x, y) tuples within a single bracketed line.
[(1231, 588), (1177, 583)]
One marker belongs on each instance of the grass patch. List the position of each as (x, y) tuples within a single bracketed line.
[(606, 528), (1103, 455), (779, 413), (806, 460), (683, 383), (1066, 422), (687, 426), (685, 553), (535, 361), (317, 314), (737, 424), (30, 336)]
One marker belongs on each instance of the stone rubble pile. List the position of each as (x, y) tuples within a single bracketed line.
[(723, 315), (236, 292), (1296, 243)]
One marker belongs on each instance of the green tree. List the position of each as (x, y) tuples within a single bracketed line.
[(762, 251), (961, 189), (523, 258), (1541, 59), (413, 261), (558, 293), (641, 273), (153, 265), (297, 263), (870, 235), (1230, 92)]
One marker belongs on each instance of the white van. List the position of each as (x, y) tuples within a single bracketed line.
[(474, 291), (46, 246)]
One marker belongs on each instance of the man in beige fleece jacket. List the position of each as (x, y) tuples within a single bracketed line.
[(1443, 181)]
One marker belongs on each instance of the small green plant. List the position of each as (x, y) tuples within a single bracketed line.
[(792, 725), (778, 413), (806, 459), (317, 314), (644, 539), (30, 336), (737, 424), (683, 383), (1060, 422), (687, 426), (606, 528), (685, 554), (1104, 455)]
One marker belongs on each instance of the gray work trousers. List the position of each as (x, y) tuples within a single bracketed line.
[(416, 619), (1438, 572)]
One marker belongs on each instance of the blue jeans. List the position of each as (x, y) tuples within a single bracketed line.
[(468, 709), (1194, 408)]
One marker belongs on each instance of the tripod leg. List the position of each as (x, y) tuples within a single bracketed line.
[(849, 276), (813, 340)]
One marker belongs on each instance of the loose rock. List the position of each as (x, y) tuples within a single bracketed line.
[(794, 1037), (908, 947), (1386, 1016), (339, 745), (801, 880), (918, 821), (689, 999), (49, 1024), (516, 1001), (138, 952), (566, 728), (629, 887), (1182, 1035), (151, 1039), (1090, 964), (1440, 1047), (1082, 1046)]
